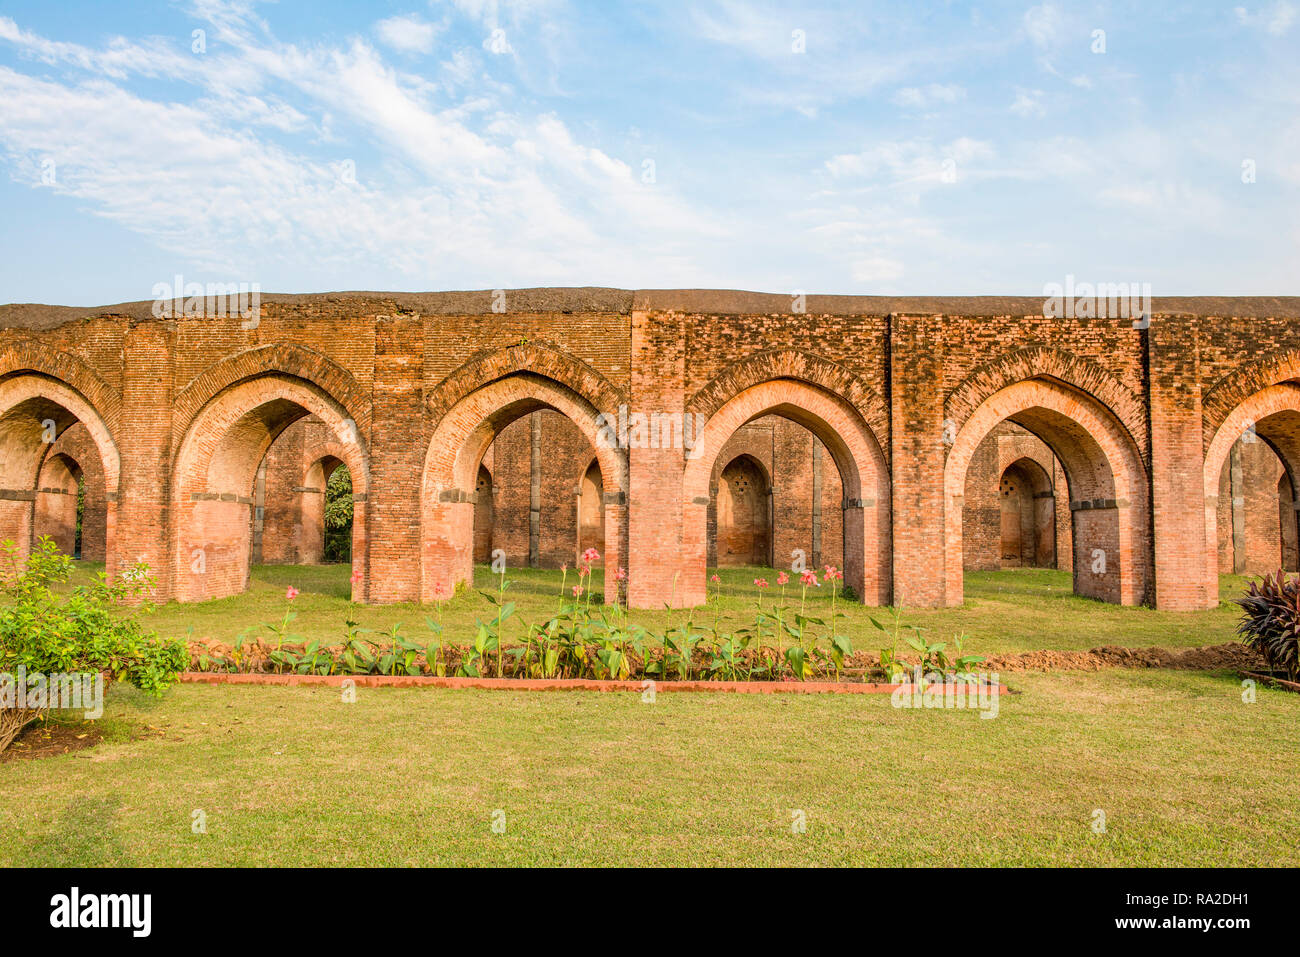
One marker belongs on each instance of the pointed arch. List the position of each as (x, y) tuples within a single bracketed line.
[(1104, 472), (214, 468), (858, 456), (460, 440), (1044, 362), (35, 410)]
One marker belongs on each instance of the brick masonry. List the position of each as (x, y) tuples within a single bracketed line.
[(910, 439)]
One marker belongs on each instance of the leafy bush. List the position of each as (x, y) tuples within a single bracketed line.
[(1270, 622), (48, 630), (338, 516)]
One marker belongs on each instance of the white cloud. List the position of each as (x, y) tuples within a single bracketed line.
[(908, 163), (1274, 20), (1044, 24), (407, 33), (876, 269), (451, 190), (924, 97), (1028, 103)]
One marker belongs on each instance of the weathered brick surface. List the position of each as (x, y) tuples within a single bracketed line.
[(865, 432)]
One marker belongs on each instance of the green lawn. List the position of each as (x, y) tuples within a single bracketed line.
[(1006, 611), (1185, 772)]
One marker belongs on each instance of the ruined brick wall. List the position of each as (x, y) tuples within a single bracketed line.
[(894, 397)]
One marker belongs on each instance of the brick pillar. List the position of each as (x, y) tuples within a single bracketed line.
[(659, 546), (917, 455), (398, 440), (1186, 560), (141, 527)]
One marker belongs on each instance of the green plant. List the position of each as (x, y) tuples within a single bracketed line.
[(338, 515), (1270, 622), (84, 630)]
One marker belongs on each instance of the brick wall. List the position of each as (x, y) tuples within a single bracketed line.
[(1152, 411)]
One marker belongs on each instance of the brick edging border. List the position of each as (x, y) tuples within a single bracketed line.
[(1271, 680), (549, 684)]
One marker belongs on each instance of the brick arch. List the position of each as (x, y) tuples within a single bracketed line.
[(280, 359), (1272, 415), (27, 403), (1232, 390), (214, 469), (537, 358), (764, 493), (720, 466), (864, 476), (326, 450), (1040, 362), (311, 504), (806, 367), (77, 445), (456, 449), (26, 356), (1104, 473)]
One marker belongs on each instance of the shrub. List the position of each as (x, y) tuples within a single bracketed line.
[(1270, 622), (46, 629)]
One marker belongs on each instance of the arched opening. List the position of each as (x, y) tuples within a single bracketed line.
[(537, 467), (217, 464), (51, 441), (337, 524), (1028, 516), (742, 505), (1254, 515), (1104, 482), (859, 461), (1288, 539), (483, 516), (457, 450), (1250, 469), (60, 503), (591, 511)]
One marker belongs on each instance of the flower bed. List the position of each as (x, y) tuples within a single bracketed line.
[(595, 642), (566, 684)]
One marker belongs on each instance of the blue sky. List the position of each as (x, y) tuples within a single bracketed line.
[(949, 148)]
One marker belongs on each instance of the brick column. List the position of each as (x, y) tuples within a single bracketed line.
[(141, 527), (659, 546), (1186, 561), (398, 440), (917, 457)]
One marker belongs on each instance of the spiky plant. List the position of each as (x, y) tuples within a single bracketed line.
[(1270, 622)]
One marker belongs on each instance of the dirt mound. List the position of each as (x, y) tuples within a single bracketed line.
[(1209, 658)]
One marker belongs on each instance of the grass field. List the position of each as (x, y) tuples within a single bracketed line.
[(1185, 772), (1183, 769), (1006, 611)]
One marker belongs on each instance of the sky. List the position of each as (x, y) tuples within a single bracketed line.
[(861, 148)]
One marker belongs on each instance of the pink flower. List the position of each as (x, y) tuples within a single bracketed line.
[(620, 575), (577, 590), (832, 573), (808, 578), (782, 578), (356, 578), (291, 594), (584, 570), (760, 582), (591, 556), (715, 579), (564, 567)]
